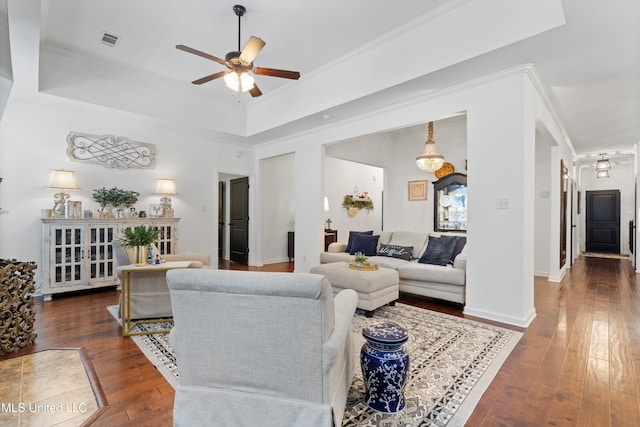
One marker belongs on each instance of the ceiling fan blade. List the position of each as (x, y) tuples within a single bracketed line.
[(285, 74), (199, 53), (252, 49), (209, 78), (255, 91)]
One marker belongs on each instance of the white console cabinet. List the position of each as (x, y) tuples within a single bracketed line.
[(77, 253)]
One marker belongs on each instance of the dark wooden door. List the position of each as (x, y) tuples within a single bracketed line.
[(239, 220), (603, 221), (221, 218)]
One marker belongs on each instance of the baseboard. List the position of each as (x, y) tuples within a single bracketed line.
[(497, 317), (557, 279), (275, 261)]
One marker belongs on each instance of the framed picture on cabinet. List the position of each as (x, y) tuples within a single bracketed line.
[(155, 210), (418, 190), (73, 209)]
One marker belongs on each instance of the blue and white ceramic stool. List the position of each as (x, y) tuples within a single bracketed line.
[(385, 365)]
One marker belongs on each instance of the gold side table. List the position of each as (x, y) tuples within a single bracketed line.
[(129, 325)]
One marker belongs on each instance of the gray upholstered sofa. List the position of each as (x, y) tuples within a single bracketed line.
[(436, 281), (260, 349)]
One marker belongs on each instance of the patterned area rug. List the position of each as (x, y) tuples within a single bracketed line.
[(452, 362)]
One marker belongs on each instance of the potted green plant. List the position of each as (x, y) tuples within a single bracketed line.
[(101, 196), (354, 204), (129, 198), (359, 259), (139, 238), (115, 197)]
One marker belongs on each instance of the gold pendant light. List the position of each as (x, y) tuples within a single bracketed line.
[(430, 160)]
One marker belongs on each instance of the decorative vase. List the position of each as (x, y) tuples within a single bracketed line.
[(104, 212), (352, 211), (385, 365), (140, 256)]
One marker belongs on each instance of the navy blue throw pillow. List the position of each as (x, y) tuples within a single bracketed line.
[(364, 243), (439, 250), (350, 242), (395, 251), (460, 242)]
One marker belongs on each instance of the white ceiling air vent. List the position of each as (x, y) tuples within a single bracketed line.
[(109, 39)]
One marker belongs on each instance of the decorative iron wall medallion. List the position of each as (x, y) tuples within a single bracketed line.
[(110, 151)]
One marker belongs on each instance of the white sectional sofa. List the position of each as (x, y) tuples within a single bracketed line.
[(446, 282)]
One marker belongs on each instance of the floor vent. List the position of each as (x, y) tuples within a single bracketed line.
[(109, 39)]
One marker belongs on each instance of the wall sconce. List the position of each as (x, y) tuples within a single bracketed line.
[(62, 180), (166, 187)]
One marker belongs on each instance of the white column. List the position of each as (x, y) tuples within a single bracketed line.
[(501, 182), (309, 206)]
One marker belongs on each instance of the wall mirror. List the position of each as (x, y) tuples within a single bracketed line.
[(450, 203)]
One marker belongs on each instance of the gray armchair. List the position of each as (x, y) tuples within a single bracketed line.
[(258, 348), (149, 294)]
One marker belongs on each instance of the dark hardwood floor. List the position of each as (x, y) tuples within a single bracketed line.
[(578, 364)]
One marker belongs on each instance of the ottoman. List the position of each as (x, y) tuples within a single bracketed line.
[(374, 288)]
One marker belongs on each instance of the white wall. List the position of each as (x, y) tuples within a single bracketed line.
[(340, 178), (543, 192), (6, 70), (277, 176)]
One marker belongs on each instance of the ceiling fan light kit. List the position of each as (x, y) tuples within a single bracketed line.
[(240, 63), (239, 82)]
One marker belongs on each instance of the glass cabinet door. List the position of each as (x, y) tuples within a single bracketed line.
[(166, 239), (67, 250), (101, 258), (450, 203)]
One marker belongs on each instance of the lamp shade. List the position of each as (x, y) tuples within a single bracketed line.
[(63, 180), (166, 186), (239, 82)]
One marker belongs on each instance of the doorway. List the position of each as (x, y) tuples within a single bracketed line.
[(239, 220), (233, 212), (603, 221), (221, 217)]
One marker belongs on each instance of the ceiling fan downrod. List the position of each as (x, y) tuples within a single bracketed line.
[(240, 11)]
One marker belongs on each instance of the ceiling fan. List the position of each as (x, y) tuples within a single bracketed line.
[(239, 63)]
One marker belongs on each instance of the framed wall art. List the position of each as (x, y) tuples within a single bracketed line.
[(418, 190)]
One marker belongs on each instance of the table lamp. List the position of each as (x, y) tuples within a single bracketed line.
[(166, 186), (62, 180)]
